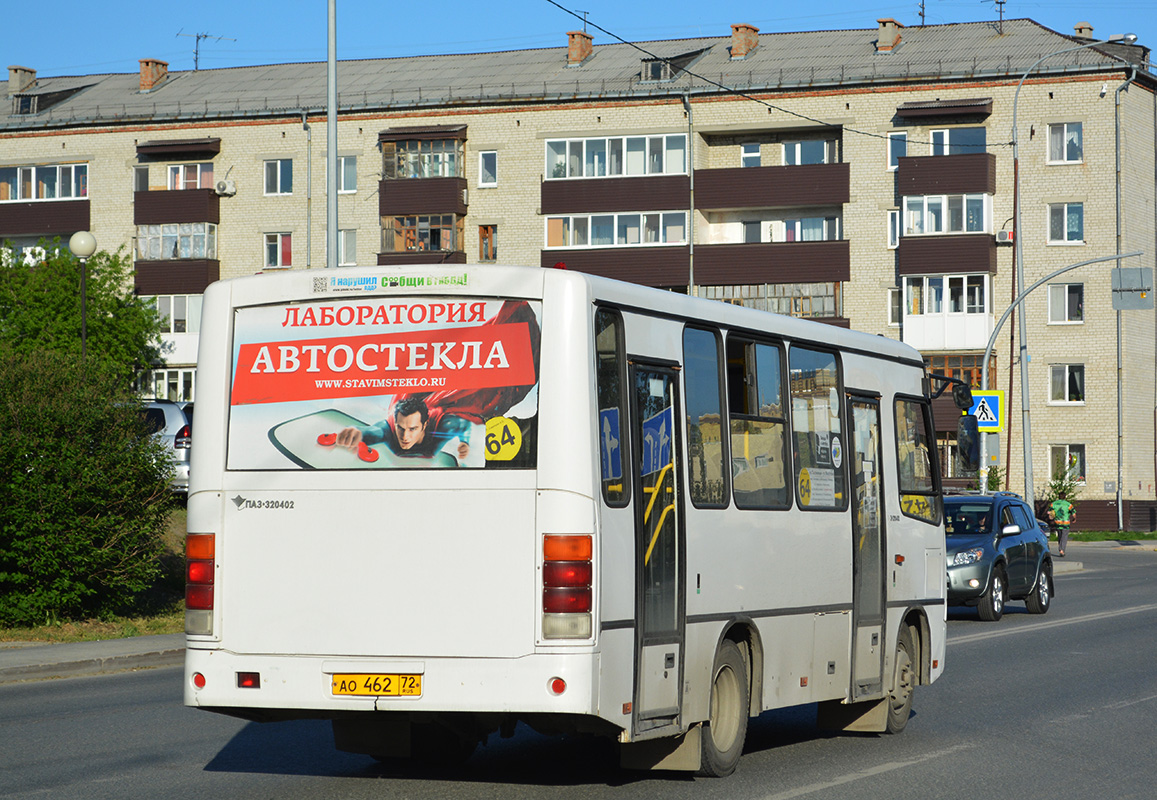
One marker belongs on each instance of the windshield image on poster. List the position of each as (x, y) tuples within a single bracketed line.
[(385, 383)]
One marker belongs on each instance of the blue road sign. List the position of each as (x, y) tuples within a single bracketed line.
[(612, 457), (657, 440), (988, 408)]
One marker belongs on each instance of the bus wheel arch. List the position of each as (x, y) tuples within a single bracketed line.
[(745, 634)]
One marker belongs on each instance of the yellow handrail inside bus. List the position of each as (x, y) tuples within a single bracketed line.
[(655, 535), (655, 489)]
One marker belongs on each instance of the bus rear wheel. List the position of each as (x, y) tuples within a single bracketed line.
[(725, 731)]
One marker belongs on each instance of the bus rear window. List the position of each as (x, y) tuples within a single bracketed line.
[(385, 383)]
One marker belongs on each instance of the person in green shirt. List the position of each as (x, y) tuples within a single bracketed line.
[(1062, 514)]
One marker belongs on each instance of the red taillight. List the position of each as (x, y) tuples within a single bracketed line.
[(556, 600), (200, 551), (567, 574), (184, 438), (248, 680)]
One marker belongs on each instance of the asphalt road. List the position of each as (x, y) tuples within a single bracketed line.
[(1060, 707)]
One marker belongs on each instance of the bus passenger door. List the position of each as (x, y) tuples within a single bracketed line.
[(868, 550), (658, 549)]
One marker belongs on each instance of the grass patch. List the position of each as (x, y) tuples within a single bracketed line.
[(160, 610), (1112, 536)]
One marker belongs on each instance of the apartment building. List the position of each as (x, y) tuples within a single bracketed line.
[(863, 178)]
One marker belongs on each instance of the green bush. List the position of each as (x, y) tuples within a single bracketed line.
[(84, 491)]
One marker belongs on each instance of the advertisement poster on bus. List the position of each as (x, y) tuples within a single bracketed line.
[(385, 383)]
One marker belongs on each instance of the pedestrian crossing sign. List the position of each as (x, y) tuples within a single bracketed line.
[(988, 408)]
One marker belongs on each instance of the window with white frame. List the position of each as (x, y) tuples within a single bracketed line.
[(43, 182), (951, 213), (616, 156), (897, 148), (141, 178), (190, 176), (176, 240), (1066, 223), (278, 250), (176, 384), (1067, 461), (945, 294), (1066, 303), (806, 229), (347, 174), (809, 151), (488, 168), (1066, 143), (347, 247), (893, 229), (279, 176), (895, 307), (617, 230), (749, 155), (958, 141), (179, 313), (1067, 383)]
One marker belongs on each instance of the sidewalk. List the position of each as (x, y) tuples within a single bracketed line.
[(40, 661)]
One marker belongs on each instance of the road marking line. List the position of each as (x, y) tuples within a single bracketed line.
[(871, 772), (976, 637)]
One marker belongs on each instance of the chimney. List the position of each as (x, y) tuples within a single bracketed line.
[(579, 49), (153, 72), (744, 40), (1083, 30), (889, 36), (19, 79)]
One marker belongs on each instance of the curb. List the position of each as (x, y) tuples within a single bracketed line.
[(43, 662)]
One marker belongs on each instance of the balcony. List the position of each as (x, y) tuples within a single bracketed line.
[(182, 276), (410, 196), (411, 257), (44, 218), (781, 262), (649, 266), (947, 253), (179, 205), (609, 195), (772, 187), (970, 173)]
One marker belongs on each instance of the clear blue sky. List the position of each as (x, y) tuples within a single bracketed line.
[(71, 37)]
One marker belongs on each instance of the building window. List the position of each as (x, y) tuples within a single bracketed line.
[(958, 141), (422, 158), (897, 148), (895, 307), (44, 182), (806, 229), (347, 247), (1066, 303), (488, 168), (1066, 143), (965, 294), (1067, 223), (279, 176), (141, 178), (811, 151), (752, 232), (278, 250), (617, 230), (176, 385), (1067, 383), (952, 213), (176, 241), (179, 313), (749, 155), (616, 156), (190, 176), (487, 242), (967, 367), (347, 174), (790, 299), (435, 232), (893, 228), (1067, 461)]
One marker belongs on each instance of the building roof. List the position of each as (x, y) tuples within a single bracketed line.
[(782, 61)]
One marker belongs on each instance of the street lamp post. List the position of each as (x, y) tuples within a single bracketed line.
[(1018, 254), (83, 244)]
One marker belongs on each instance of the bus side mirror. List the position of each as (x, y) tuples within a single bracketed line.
[(968, 443), (962, 396)]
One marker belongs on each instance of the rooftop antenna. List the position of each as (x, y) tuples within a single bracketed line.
[(197, 46), (921, 13), (584, 13), (1000, 10)]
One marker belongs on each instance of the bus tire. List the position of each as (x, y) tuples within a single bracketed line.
[(903, 682), (724, 732)]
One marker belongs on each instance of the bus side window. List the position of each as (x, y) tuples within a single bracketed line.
[(610, 381), (919, 491), (705, 452), (817, 433), (756, 424)]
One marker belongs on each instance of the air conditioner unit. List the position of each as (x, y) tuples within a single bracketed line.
[(1004, 237), (226, 188)]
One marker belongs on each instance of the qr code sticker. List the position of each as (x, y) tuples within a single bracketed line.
[(320, 285)]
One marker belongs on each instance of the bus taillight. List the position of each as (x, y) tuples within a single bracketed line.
[(200, 568), (567, 594)]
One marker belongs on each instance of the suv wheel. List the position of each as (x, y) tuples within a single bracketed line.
[(1042, 594), (991, 606)]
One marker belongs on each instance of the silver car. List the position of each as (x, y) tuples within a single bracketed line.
[(173, 425)]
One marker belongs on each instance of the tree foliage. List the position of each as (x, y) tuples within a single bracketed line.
[(84, 490), (40, 308)]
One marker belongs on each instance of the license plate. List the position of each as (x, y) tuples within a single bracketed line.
[(377, 685)]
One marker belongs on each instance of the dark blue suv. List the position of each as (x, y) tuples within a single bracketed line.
[(996, 552)]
